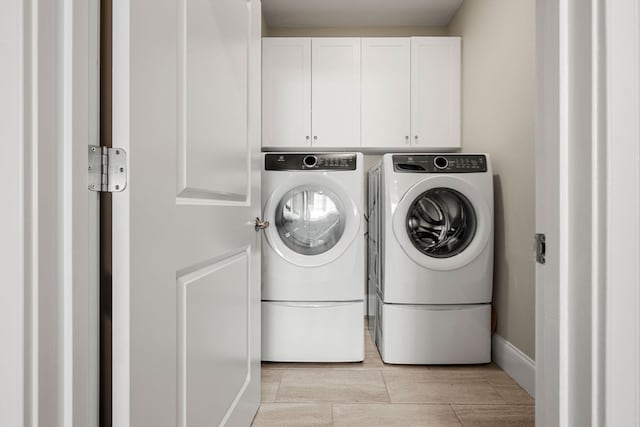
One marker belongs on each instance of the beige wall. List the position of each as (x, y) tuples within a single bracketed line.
[(498, 90), (265, 27)]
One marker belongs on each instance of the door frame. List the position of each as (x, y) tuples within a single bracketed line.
[(619, 329), (587, 298), (49, 316)]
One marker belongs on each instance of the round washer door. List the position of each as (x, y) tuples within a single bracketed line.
[(313, 222), (442, 223)]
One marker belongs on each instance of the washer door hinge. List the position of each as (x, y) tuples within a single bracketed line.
[(107, 169), (541, 248)]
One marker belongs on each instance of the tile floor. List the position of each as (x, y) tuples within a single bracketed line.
[(374, 394)]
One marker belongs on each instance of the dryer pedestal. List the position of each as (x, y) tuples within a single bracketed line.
[(312, 331), (434, 334)]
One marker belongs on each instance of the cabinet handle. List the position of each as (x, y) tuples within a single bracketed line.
[(406, 139), (315, 138), (416, 138), (306, 138)]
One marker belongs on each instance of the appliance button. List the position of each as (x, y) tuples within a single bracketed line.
[(310, 161), (440, 162)]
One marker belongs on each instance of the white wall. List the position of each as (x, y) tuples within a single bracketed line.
[(498, 99)]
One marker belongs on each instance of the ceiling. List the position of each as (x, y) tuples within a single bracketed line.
[(359, 13)]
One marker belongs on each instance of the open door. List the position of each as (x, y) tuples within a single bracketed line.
[(186, 260)]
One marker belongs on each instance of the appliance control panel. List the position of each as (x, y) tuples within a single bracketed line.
[(310, 161), (440, 163)]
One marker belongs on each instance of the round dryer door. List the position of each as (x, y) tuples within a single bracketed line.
[(313, 222), (310, 221), (442, 223)]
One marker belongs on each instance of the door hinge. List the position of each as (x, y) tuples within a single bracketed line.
[(541, 248), (107, 169)]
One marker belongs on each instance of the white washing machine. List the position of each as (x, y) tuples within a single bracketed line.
[(313, 260), (433, 293)]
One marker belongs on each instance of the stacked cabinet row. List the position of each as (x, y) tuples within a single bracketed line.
[(373, 94)]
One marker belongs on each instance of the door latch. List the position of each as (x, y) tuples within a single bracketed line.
[(541, 248)]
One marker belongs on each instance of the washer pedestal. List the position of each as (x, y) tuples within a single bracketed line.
[(434, 334), (312, 331)]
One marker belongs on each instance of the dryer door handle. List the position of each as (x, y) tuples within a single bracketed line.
[(261, 224)]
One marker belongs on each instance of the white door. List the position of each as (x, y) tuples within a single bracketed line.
[(186, 273), (286, 101), (386, 91), (335, 89), (435, 92)]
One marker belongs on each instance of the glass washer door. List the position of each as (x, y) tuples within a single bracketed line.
[(310, 220), (441, 222)]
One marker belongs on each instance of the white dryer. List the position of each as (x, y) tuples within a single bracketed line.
[(313, 260), (436, 254)]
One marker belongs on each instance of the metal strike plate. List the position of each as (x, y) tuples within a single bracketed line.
[(541, 248)]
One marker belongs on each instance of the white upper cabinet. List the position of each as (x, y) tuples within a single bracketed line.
[(435, 92), (411, 93), (311, 92), (335, 92), (286, 92), (372, 94), (386, 92)]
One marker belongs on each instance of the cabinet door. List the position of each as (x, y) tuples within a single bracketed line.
[(336, 92), (435, 92), (386, 92), (286, 92)]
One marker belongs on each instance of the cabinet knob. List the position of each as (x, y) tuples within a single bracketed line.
[(307, 138), (315, 138), (406, 139), (416, 139)]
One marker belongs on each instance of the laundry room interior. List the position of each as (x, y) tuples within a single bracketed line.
[(497, 90), (320, 213)]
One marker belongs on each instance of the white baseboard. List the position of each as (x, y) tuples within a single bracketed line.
[(515, 363)]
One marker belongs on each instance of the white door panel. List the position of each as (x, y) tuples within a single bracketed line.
[(186, 295), (212, 98), (204, 324)]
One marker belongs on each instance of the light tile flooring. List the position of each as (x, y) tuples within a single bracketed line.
[(374, 394)]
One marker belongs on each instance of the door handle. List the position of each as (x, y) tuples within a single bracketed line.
[(261, 224)]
